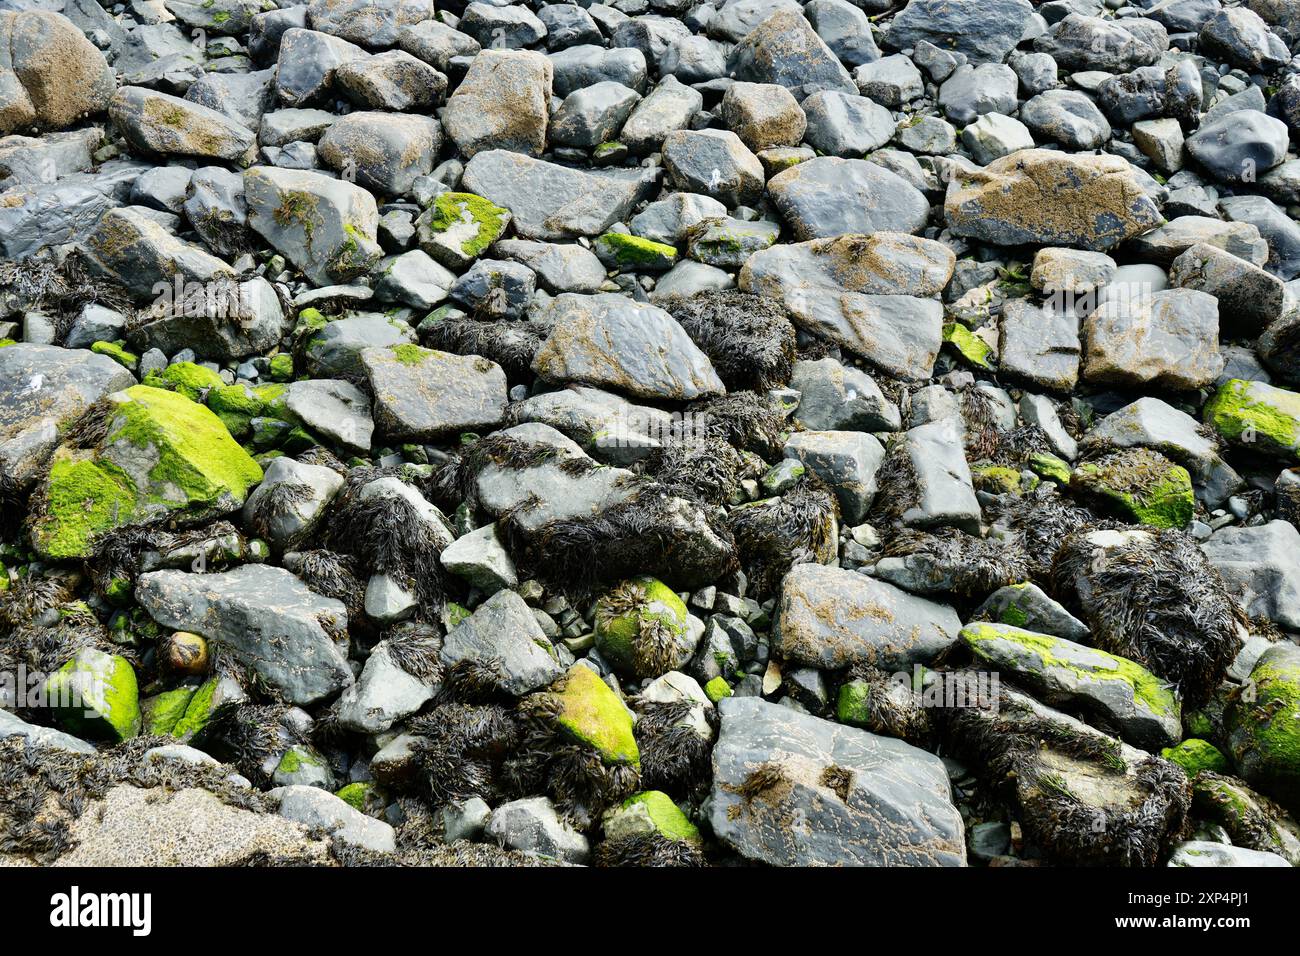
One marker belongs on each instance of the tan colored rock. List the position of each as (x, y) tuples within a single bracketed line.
[(50, 75), (503, 103)]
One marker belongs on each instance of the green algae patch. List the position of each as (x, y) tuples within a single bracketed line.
[(974, 350), (997, 479), (1263, 418), (666, 817), (95, 696), (454, 209), (640, 627), (357, 795), (1042, 652), (160, 453), (717, 689), (632, 252), (161, 712), (852, 706), (1263, 725), (238, 405), (410, 354), (197, 711), (281, 367), (1049, 467), (189, 378), (118, 352), (592, 714), (1195, 755), (1140, 485)]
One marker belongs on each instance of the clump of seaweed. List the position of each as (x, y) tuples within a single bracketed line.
[(511, 345), (775, 534), (745, 420), (650, 849), (674, 756), (951, 560), (458, 750), (747, 337)]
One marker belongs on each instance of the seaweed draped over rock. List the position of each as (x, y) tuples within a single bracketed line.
[(511, 345), (774, 535), (747, 337)]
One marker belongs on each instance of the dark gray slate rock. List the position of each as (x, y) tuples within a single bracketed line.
[(284, 526), (308, 58), (982, 31), (384, 152), (292, 637), (552, 202), (896, 810), (1239, 147), (531, 825), (835, 397), (829, 196), (1262, 565), (503, 636), (422, 395), (786, 50), (1039, 345), (1168, 339)]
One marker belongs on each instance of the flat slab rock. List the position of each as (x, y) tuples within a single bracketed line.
[(271, 621), (838, 795)]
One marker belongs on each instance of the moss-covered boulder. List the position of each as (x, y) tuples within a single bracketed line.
[(717, 689), (1140, 485), (973, 350), (238, 405), (95, 696), (1263, 725), (619, 250), (647, 813), (200, 706), (459, 227), (1256, 416), (160, 713), (147, 453), (189, 378), (1141, 706), (1195, 755), (592, 714), (642, 629), (1251, 819)]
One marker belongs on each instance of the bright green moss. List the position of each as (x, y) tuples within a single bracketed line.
[(7, 342), (410, 354), (592, 714), (635, 612), (356, 795), (717, 689), (281, 369), (969, 345), (95, 695), (632, 252), (1141, 486), (665, 815), (1049, 467), (1265, 731), (118, 353), (188, 378), (454, 209), (238, 405), (162, 711), (1195, 755), (996, 479), (1257, 416), (83, 498), (852, 705), (1157, 697), (197, 711)]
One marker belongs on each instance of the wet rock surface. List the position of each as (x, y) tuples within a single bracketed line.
[(651, 434)]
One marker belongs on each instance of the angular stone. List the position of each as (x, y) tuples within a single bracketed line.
[(385, 152), (846, 461), (422, 395), (501, 103), (1039, 345), (503, 636), (983, 32), (713, 162), (944, 494), (786, 50), (829, 196), (896, 808), (292, 637), (1261, 565), (1168, 339)]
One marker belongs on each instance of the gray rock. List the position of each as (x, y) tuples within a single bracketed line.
[(216, 209), (1026, 605), (841, 124), (786, 50), (1166, 243), (897, 809), (983, 32), (244, 97), (944, 494), (130, 246), (1275, 227), (386, 152), (1194, 853), (763, 115), (226, 320), (830, 618), (845, 29), (495, 288), (501, 103), (594, 115), (290, 125), (713, 162), (375, 23), (335, 351), (422, 395), (610, 340), (414, 279), (503, 638), (52, 75), (1240, 36), (609, 428), (1067, 117), (43, 390), (1262, 565), (496, 25), (1167, 339), (95, 323), (828, 293), (972, 91), (305, 70), (326, 227), (154, 122), (668, 107), (1240, 146), (39, 737), (335, 409), (531, 825), (559, 267), (1161, 141), (552, 202), (1142, 709), (382, 695), (993, 135), (829, 196), (584, 65), (481, 558), (300, 504), (1039, 345), (846, 461), (292, 637), (316, 808), (466, 821), (435, 43), (836, 397), (1081, 42)]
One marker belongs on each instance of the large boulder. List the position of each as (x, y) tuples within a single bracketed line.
[(501, 104), (156, 454), (829, 196), (790, 789), (51, 76), (1046, 197), (293, 638)]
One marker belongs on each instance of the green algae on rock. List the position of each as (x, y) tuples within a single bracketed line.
[(95, 695), (1195, 755), (592, 714), (1263, 725), (650, 812), (157, 453), (641, 628), (1140, 485), (1256, 416)]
